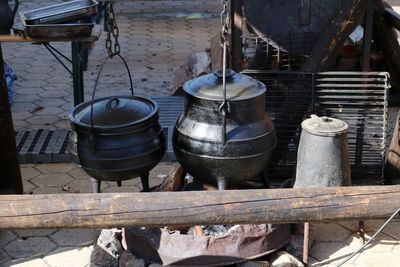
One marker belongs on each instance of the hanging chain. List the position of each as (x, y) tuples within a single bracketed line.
[(112, 29), (225, 21)]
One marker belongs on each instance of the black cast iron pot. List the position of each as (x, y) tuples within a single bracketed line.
[(116, 138), (219, 143)]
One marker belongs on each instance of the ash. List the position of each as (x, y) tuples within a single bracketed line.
[(215, 230)]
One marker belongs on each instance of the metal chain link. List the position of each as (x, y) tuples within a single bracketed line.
[(112, 29), (225, 21)]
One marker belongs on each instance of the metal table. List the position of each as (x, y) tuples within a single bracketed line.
[(10, 176), (76, 58)]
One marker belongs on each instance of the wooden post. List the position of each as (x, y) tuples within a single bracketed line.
[(10, 174), (236, 35), (198, 207), (333, 36), (367, 40), (392, 165), (386, 39)]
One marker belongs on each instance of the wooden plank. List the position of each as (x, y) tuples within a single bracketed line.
[(10, 175), (197, 207)]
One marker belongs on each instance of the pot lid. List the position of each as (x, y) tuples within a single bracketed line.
[(238, 86), (119, 111), (324, 126)]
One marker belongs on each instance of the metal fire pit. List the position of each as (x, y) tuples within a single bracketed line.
[(263, 54), (290, 24), (242, 243), (358, 98)]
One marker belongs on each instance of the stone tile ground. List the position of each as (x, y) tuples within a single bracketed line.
[(156, 37)]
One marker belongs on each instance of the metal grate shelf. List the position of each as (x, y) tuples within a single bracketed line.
[(359, 98)]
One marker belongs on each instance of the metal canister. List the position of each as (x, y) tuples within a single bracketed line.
[(323, 153)]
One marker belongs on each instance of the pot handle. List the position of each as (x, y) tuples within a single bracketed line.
[(108, 106)]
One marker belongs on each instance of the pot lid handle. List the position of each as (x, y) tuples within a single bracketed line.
[(110, 101), (228, 73)]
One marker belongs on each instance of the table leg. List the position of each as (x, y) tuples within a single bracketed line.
[(10, 174), (77, 71)]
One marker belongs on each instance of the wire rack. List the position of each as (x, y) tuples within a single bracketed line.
[(359, 98)]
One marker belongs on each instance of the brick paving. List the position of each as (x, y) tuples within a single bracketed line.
[(156, 37), (154, 46)]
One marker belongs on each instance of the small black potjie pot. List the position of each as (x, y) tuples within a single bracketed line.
[(117, 138)]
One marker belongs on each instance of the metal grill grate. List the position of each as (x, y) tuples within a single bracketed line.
[(42, 145), (359, 98)]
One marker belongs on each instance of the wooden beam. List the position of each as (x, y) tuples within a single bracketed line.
[(236, 35), (367, 40), (197, 208), (385, 37), (10, 174), (346, 18), (393, 17)]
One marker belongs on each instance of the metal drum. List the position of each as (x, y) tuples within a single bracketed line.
[(292, 25)]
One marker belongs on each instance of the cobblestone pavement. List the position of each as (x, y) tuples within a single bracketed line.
[(156, 37), (154, 45)]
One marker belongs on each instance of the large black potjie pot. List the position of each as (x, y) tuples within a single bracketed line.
[(224, 142), (116, 138)]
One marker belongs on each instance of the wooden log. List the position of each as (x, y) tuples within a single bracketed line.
[(174, 181), (198, 207), (10, 175), (392, 164)]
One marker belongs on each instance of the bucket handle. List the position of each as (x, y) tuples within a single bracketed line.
[(225, 104), (113, 98), (109, 103)]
